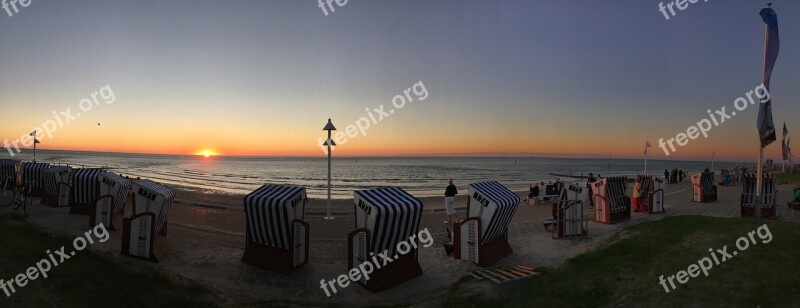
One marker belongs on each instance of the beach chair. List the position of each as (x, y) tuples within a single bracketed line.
[(482, 238), (385, 217), (703, 188), (768, 194), (32, 176), (550, 191), (277, 233), (611, 203), (109, 208), (568, 219), (56, 186), (9, 172), (85, 190), (652, 194), (144, 234)]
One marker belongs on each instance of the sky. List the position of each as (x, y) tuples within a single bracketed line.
[(509, 78)]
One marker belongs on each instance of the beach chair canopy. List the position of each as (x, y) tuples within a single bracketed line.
[(270, 211), (9, 168), (646, 185), (114, 185), (494, 205), (614, 189), (53, 177), (705, 180), (32, 174), (390, 214), (155, 198), (84, 185)]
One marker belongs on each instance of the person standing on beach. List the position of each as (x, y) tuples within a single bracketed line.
[(666, 175), (589, 183), (450, 198), (637, 193)]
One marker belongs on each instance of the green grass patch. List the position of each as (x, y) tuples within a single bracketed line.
[(625, 271), (788, 178), (88, 279)]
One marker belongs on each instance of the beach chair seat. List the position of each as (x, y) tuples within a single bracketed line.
[(56, 186), (652, 194), (277, 233), (768, 195), (482, 238), (144, 234), (611, 202), (569, 221), (85, 190), (385, 217), (109, 207), (703, 187)]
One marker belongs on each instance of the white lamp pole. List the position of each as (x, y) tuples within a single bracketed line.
[(329, 127)]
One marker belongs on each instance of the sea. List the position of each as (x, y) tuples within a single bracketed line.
[(421, 176)]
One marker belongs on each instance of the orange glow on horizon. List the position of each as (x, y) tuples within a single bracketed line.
[(207, 153)]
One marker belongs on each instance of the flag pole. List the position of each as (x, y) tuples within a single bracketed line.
[(759, 177)]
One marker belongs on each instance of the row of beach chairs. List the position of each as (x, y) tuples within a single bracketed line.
[(102, 196)]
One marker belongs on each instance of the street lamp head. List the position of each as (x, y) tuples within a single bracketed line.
[(329, 126)]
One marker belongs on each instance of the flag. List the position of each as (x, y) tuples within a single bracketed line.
[(36, 141), (784, 147), (766, 127), (646, 145), (33, 134)]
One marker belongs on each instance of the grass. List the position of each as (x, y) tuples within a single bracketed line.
[(788, 178), (87, 279), (625, 271)]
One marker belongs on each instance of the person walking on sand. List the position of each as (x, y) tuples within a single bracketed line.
[(450, 198), (589, 183)]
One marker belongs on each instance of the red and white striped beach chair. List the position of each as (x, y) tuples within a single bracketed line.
[(109, 208), (85, 190), (144, 235), (768, 195), (385, 217), (652, 194), (56, 185), (611, 202), (277, 233), (703, 187), (482, 238)]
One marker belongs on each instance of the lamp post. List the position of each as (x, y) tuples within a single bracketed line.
[(329, 143)]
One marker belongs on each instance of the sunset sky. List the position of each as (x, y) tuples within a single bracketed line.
[(521, 77)]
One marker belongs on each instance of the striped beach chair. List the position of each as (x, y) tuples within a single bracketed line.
[(32, 176), (9, 172), (611, 202), (144, 234), (768, 196), (568, 217), (277, 233), (84, 191), (652, 194), (482, 238), (56, 185), (109, 208), (703, 188), (385, 218)]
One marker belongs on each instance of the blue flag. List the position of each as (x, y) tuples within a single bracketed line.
[(766, 127)]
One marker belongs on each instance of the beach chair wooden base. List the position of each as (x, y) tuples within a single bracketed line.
[(490, 253), (281, 261), (49, 200), (81, 209), (140, 241), (37, 193), (767, 212), (401, 270), (102, 209)]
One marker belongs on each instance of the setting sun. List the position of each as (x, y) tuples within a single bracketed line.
[(207, 153)]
